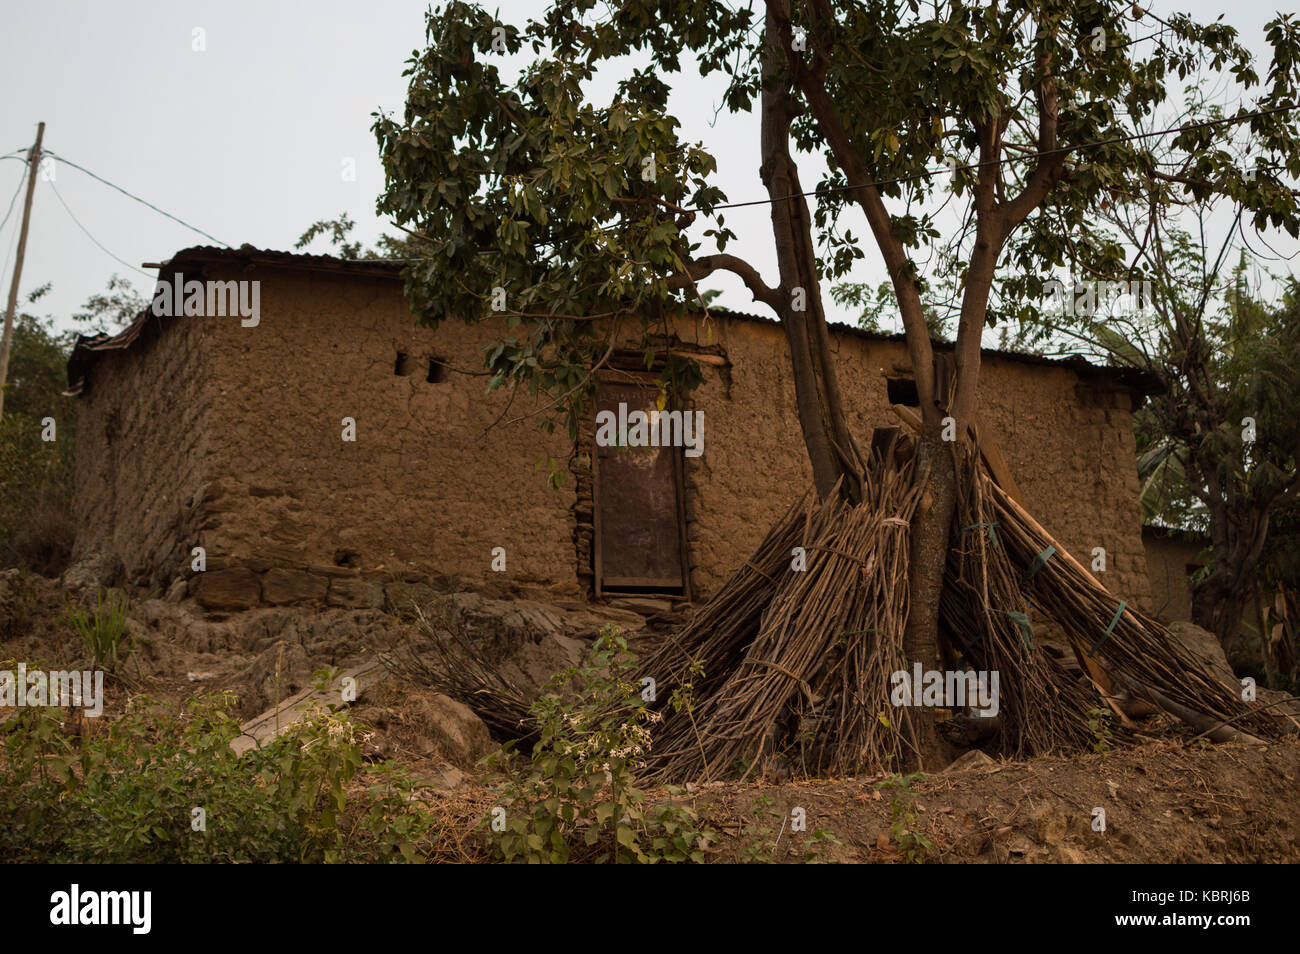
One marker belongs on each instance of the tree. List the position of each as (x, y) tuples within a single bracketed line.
[(38, 431), (572, 218), (1223, 434), (337, 232), (111, 310), (1220, 442), (36, 530)]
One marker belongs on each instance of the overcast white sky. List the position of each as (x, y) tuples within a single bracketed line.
[(246, 139)]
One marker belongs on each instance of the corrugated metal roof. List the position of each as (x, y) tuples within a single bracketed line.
[(87, 347)]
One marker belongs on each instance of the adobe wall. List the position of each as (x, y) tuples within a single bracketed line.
[(1167, 562), (142, 446), (416, 496)]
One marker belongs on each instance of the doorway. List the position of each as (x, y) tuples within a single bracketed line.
[(640, 515)]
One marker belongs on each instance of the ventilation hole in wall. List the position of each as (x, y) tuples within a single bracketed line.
[(350, 558), (903, 391), (404, 365), (437, 372)]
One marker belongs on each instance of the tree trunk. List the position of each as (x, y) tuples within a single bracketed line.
[(1238, 531), (928, 555), (831, 448)]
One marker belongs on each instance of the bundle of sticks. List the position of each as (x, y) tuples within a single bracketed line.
[(795, 653), (985, 622), (1118, 646)]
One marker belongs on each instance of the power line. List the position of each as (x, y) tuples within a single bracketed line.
[(9, 211), (58, 195), (1063, 150), (192, 228)]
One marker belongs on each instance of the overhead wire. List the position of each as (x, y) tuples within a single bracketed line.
[(131, 195), (59, 195)]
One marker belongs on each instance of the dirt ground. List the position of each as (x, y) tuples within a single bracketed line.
[(1167, 801)]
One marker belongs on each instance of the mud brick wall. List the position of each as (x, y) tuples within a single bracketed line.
[(244, 441), (143, 428), (419, 494), (1168, 558)]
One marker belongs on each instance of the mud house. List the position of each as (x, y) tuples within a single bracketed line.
[(327, 447)]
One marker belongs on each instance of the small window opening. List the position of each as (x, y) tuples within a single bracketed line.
[(349, 558), (903, 391), (404, 366), (437, 372)]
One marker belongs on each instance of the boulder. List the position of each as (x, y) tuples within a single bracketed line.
[(458, 732), (279, 673), (404, 597), (235, 588), (972, 760), (94, 570), (1204, 646)]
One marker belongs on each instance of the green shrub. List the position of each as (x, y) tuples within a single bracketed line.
[(129, 793), (104, 632), (574, 797), (36, 476), (1099, 725), (911, 844), (36, 524)]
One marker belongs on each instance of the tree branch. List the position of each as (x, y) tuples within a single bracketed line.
[(706, 265)]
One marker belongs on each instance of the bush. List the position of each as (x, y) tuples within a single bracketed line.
[(36, 522), (574, 797), (104, 632), (36, 525), (159, 788)]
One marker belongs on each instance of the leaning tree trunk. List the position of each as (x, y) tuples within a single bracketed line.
[(831, 449)]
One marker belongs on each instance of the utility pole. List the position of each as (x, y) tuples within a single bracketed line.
[(33, 160)]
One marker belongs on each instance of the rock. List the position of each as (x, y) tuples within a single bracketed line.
[(281, 586), (1204, 645), (446, 777), (459, 733), (92, 571), (506, 625), (356, 594), (236, 588), (974, 759), (176, 592), (280, 672), (533, 665), (9, 582)]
